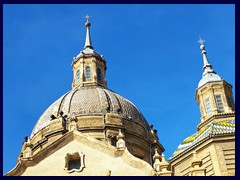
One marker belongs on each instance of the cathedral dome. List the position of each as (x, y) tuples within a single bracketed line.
[(90, 101), (94, 110)]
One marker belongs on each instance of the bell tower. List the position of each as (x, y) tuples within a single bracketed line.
[(89, 68), (214, 95)]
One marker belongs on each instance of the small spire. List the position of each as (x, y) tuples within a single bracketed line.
[(156, 154), (120, 142), (120, 135), (88, 43), (156, 159), (207, 68), (209, 75)]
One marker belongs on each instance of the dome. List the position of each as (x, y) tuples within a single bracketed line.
[(209, 77), (214, 128), (90, 101), (94, 110)]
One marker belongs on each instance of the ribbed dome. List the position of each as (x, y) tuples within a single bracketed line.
[(88, 101)]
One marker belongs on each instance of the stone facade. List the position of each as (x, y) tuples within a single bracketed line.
[(99, 159), (217, 155)]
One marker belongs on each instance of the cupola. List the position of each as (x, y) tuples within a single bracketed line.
[(214, 95)]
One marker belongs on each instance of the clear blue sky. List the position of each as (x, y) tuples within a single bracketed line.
[(152, 55)]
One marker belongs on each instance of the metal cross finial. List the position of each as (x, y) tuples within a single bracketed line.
[(87, 17), (201, 41)]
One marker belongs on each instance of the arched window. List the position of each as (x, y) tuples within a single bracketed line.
[(99, 74), (88, 72), (78, 76)]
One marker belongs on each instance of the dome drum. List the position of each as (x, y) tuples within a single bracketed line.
[(135, 134)]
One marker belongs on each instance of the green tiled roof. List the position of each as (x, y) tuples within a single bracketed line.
[(215, 128)]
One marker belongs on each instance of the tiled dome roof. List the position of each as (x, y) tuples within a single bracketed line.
[(215, 128), (88, 101)]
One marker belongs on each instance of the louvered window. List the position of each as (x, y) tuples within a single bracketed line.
[(229, 101), (99, 75), (208, 107), (78, 76), (219, 103)]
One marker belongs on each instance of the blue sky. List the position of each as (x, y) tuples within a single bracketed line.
[(152, 55)]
